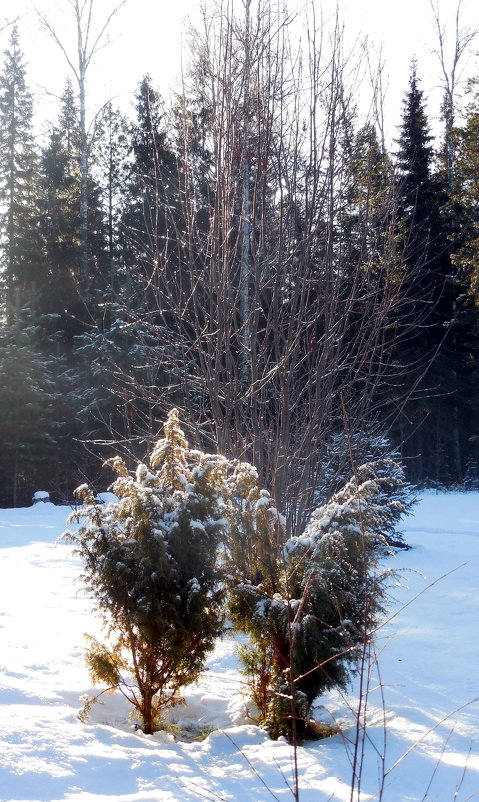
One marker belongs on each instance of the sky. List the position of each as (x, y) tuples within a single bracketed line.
[(149, 36)]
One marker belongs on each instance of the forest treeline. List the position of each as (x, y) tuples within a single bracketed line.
[(248, 251)]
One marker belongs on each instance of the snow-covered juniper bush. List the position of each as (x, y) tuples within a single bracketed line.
[(150, 564), (193, 526), (308, 603)]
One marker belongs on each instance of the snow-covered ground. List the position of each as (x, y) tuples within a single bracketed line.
[(423, 722)]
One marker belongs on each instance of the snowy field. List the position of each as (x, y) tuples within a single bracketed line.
[(423, 717)]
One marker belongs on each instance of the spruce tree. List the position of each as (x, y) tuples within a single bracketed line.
[(27, 422), (60, 222), (424, 345), (465, 210), (150, 217), (69, 311), (60, 226), (417, 201), (110, 149), (21, 249), (121, 353), (369, 202), (465, 191)]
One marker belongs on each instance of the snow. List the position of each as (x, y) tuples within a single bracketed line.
[(106, 498), (428, 657), (41, 495)]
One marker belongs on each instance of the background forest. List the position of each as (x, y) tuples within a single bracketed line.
[(248, 250)]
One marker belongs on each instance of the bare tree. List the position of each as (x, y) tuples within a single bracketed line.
[(272, 316), (91, 37), (449, 64)]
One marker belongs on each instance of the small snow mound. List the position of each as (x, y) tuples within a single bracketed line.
[(105, 498), (239, 736), (40, 496)]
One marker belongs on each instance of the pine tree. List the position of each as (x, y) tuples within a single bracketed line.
[(149, 563)]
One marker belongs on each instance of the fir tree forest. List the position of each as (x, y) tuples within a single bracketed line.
[(250, 251)]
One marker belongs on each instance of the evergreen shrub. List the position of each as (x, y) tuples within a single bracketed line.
[(308, 603), (192, 526), (150, 563)]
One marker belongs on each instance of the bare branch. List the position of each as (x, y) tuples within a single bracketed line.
[(47, 25), (85, 54), (463, 37)]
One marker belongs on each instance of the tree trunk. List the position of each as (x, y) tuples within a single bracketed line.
[(83, 185)]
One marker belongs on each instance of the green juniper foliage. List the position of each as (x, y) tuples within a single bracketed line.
[(150, 564), (308, 604), (157, 562)]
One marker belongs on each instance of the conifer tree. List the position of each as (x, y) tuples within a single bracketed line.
[(422, 212), (21, 255), (426, 353), (150, 218), (308, 604), (60, 225), (27, 422), (465, 208), (150, 565), (66, 311), (90, 31), (124, 359), (466, 194), (60, 185), (369, 202), (143, 211), (110, 149)]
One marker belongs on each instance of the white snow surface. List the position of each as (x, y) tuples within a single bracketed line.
[(422, 727)]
